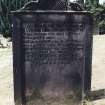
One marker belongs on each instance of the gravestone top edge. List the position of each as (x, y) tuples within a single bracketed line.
[(51, 11)]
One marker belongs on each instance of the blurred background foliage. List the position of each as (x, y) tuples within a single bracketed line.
[(98, 11), (6, 6)]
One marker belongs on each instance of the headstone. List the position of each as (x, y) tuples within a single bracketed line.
[(52, 57)]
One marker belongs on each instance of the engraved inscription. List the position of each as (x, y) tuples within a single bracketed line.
[(54, 58), (52, 43)]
